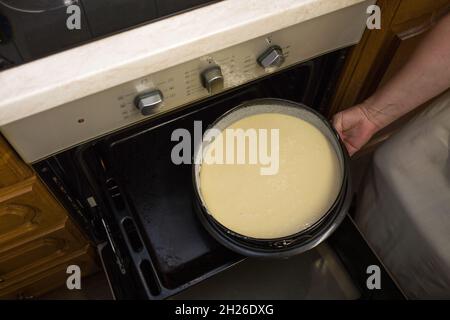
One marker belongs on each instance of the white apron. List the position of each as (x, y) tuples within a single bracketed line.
[(404, 208)]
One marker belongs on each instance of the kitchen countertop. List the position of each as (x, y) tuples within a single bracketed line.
[(70, 75)]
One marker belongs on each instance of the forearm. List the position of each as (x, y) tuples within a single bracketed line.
[(424, 76)]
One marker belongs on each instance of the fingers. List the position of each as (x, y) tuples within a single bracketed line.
[(351, 149), (349, 146), (337, 123)]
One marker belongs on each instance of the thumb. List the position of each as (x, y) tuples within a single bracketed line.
[(337, 123)]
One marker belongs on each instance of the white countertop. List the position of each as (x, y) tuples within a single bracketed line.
[(55, 80)]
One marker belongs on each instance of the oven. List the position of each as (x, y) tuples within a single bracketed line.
[(109, 163)]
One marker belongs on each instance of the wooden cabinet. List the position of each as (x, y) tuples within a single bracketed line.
[(52, 277), (12, 169), (37, 239), (34, 257), (27, 210), (382, 52)]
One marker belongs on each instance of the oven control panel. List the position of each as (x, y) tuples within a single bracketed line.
[(200, 78), (104, 112)]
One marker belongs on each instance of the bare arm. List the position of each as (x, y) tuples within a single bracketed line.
[(424, 76)]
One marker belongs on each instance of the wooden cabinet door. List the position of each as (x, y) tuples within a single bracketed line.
[(12, 168), (52, 277), (24, 260), (27, 210)]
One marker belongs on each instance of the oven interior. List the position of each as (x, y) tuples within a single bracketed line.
[(123, 189)]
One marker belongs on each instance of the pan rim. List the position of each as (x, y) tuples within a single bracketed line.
[(279, 103)]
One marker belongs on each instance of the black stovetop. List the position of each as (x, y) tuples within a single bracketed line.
[(34, 29)]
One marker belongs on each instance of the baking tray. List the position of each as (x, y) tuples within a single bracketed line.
[(151, 200)]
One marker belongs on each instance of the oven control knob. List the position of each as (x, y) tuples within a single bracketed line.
[(272, 58), (148, 102), (212, 79)]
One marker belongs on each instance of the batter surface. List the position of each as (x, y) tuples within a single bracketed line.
[(271, 206)]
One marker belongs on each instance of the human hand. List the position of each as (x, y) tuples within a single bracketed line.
[(354, 127)]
